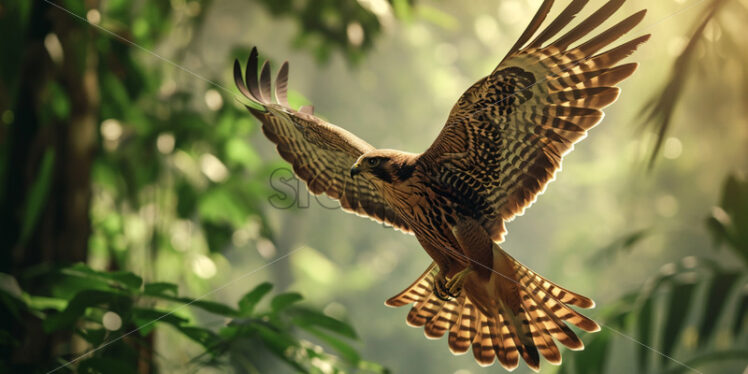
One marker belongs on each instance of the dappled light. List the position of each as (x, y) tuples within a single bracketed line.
[(151, 222)]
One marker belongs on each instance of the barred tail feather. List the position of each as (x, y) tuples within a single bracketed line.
[(500, 327), (417, 290), (553, 299), (542, 338), (438, 325), (424, 310), (530, 280), (509, 350), (462, 332), (483, 348)]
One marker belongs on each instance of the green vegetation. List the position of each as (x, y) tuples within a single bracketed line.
[(117, 314), (105, 139), (695, 305), (137, 220)]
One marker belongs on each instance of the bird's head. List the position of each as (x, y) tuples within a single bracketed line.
[(384, 165)]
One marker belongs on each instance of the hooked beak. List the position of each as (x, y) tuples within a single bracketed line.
[(355, 170)]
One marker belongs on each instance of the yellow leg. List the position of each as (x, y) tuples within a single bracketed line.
[(454, 284), (440, 288)]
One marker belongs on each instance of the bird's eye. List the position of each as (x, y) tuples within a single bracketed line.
[(373, 161)]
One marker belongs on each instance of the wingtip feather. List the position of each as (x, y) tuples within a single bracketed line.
[(532, 27), (239, 80), (281, 85), (611, 34), (265, 84), (589, 24), (563, 19), (250, 75)]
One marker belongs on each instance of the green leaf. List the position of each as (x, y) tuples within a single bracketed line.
[(279, 343), (208, 306), (124, 278), (731, 192), (644, 332), (716, 300), (208, 339), (718, 230), (717, 356), (277, 339), (284, 300), (37, 196), (82, 300), (42, 303), (742, 313), (730, 223), (65, 286), (622, 244), (143, 316), (214, 307), (677, 311), (250, 300), (11, 303), (9, 285), (160, 288), (592, 359), (349, 353), (306, 318)]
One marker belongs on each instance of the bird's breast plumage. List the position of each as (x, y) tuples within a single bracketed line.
[(430, 210)]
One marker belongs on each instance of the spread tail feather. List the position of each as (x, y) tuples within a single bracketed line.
[(516, 313)]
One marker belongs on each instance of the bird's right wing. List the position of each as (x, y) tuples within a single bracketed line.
[(506, 136), (321, 153)]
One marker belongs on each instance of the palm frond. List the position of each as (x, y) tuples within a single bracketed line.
[(658, 111)]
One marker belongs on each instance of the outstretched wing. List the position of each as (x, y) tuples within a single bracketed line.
[(506, 136), (321, 153)]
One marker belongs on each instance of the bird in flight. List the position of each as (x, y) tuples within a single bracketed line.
[(501, 145)]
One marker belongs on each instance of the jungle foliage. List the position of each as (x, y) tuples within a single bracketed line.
[(121, 186)]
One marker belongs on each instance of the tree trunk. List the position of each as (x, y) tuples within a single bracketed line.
[(59, 234)]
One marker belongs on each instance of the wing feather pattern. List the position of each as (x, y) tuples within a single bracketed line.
[(507, 134), (321, 153)]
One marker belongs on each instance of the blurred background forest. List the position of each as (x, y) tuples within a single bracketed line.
[(146, 218)]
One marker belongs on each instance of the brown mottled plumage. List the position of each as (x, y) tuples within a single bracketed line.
[(502, 144)]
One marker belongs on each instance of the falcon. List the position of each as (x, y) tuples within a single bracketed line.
[(501, 145)]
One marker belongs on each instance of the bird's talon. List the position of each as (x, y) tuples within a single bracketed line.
[(454, 284), (440, 288)]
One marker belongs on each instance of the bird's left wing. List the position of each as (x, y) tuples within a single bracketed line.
[(505, 137), (321, 153)]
